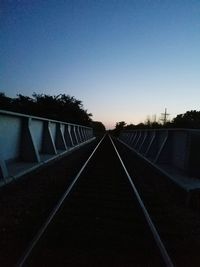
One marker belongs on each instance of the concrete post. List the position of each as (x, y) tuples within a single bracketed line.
[(48, 145), (78, 134), (153, 135), (28, 150), (142, 141), (73, 134), (161, 147), (67, 136), (60, 140), (70, 134), (3, 170)]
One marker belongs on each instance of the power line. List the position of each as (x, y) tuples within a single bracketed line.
[(164, 116)]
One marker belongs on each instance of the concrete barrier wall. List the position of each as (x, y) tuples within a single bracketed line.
[(10, 130), (26, 142), (173, 150)]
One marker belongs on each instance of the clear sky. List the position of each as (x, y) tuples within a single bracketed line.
[(125, 59)]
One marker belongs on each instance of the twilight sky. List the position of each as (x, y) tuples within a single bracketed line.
[(125, 59)]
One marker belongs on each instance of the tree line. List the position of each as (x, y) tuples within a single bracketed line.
[(67, 108), (60, 107), (189, 120)]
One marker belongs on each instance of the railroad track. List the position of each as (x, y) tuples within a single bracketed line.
[(99, 221)]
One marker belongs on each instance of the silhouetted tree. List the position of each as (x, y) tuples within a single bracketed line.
[(59, 107), (130, 127), (120, 125), (24, 104), (190, 119), (141, 126), (155, 125), (5, 102), (118, 128), (98, 128)]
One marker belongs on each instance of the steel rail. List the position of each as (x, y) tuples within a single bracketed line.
[(41, 231), (161, 247)]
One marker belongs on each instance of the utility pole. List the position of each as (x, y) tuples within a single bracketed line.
[(164, 116)]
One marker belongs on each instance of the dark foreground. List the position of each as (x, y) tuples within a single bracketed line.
[(100, 224)]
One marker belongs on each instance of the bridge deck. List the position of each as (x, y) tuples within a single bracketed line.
[(25, 205), (101, 223)]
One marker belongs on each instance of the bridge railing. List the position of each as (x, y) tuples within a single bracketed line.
[(26, 142), (175, 151)]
